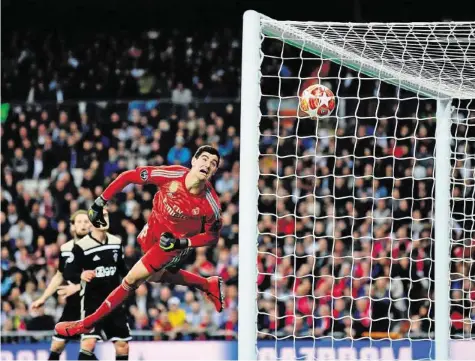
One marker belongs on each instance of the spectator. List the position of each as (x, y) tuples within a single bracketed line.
[(44, 229), (41, 321), (225, 184), (146, 83), (23, 231), (176, 315), (19, 164), (23, 259), (38, 165), (7, 283), (195, 315), (182, 98), (178, 154), (5, 259), (189, 299), (231, 325), (162, 325), (112, 164), (381, 213), (30, 294), (142, 299)]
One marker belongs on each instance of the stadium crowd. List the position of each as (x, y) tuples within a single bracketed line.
[(341, 254), (44, 66), (350, 252), (61, 164)]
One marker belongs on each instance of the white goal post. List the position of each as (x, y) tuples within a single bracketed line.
[(430, 61)]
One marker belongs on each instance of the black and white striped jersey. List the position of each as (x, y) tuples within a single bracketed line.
[(106, 259)]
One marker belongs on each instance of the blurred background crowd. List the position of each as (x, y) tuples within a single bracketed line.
[(43, 66), (345, 207)]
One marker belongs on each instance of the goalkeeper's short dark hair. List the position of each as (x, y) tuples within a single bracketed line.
[(75, 214), (208, 149)]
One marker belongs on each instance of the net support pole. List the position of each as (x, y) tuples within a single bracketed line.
[(248, 186), (442, 229)]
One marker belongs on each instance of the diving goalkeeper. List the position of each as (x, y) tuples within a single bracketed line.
[(186, 214)]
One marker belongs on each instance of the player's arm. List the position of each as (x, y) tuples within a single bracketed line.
[(55, 282), (208, 238), (71, 287), (53, 285), (140, 175)]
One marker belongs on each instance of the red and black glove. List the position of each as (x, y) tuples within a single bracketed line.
[(169, 243)]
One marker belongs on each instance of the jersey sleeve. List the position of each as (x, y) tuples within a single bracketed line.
[(211, 234), (162, 174), (64, 259), (73, 265), (143, 175)]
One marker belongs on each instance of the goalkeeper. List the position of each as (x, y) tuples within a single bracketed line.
[(186, 214)]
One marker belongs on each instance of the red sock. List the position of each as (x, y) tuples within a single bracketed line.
[(114, 299), (186, 278), (191, 279)]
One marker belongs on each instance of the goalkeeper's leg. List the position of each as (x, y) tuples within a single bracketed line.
[(212, 286)]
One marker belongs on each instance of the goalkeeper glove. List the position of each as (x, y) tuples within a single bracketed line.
[(169, 243), (96, 213)]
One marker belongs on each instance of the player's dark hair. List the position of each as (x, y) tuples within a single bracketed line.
[(75, 214), (207, 149)]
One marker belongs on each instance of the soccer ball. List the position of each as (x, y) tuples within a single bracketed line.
[(317, 101)]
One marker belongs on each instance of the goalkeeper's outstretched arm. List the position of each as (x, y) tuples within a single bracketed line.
[(124, 179), (140, 175)]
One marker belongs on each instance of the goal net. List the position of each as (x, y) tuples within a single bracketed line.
[(364, 232)]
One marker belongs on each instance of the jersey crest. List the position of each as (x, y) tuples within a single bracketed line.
[(144, 175), (173, 187), (182, 213)]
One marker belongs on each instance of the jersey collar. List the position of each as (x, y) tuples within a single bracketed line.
[(106, 242), (199, 195)]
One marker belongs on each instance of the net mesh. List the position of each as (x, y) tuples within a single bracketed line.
[(431, 58), (346, 203)]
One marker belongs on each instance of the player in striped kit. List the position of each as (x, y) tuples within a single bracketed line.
[(98, 268), (80, 226), (186, 214)]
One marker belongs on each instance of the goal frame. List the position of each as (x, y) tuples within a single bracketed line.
[(249, 175)]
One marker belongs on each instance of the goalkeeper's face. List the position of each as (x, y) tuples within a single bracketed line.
[(205, 166), (81, 225)]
